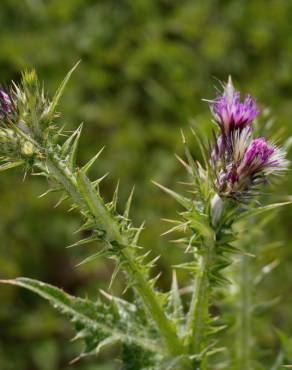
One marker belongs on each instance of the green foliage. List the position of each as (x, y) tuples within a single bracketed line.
[(145, 67), (98, 324), (206, 223)]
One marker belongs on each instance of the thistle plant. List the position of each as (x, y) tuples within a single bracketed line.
[(157, 330)]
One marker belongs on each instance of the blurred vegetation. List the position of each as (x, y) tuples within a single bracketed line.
[(146, 65)]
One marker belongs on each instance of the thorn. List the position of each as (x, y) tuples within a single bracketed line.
[(106, 295), (183, 136), (95, 183), (64, 197), (88, 165), (128, 203), (76, 359)]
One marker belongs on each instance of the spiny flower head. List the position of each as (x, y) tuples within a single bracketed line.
[(230, 113), (241, 163), (258, 155), (5, 104)]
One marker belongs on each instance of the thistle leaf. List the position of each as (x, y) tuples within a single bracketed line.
[(128, 204), (67, 146), (179, 198), (90, 239), (175, 306), (260, 210), (201, 146), (8, 165), (53, 105), (88, 165), (93, 257), (96, 322), (113, 205), (74, 147)]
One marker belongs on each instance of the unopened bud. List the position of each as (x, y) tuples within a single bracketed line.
[(27, 149), (217, 206)]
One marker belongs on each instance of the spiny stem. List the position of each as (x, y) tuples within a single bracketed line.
[(244, 336), (199, 310), (69, 181)]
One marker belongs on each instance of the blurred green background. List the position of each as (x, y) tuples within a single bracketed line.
[(146, 65)]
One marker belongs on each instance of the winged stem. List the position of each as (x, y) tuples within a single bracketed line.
[(244, 336), (84, 196), (199, 309)]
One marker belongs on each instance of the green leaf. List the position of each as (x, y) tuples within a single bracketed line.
[(73, 149), (199, 141), (70, 142), (260, 210), (8, 165), (175, 306), (179, 198), (97, 323)]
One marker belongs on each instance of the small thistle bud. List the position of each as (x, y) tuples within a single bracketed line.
[(27, 149), (5, 104), (217, 206), (230, 113), (30, 77)]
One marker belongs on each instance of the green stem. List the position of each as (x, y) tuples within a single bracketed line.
[(199, 310), (244, 337), (85, 200)]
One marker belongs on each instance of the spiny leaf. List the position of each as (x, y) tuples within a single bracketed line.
[(53, 105), (179, 198), (73, 149), (128, 204), (88, 165), (93, 257), (200, 144), (95, 319), (7, 166), (138, 233), (174, 302), (90, 239), (259, 210), (67, 145), (113, 205)]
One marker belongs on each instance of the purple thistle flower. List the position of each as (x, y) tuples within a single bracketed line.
[(241, 163), (5, 104), (257, 155), (230, 113), (250, 166)]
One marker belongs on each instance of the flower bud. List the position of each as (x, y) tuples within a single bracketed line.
[(217, 206), (27, 149)]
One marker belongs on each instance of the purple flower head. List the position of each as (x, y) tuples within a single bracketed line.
[(230, 113), (5, 104), (252, 160), (241, 163), (258, 154)]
